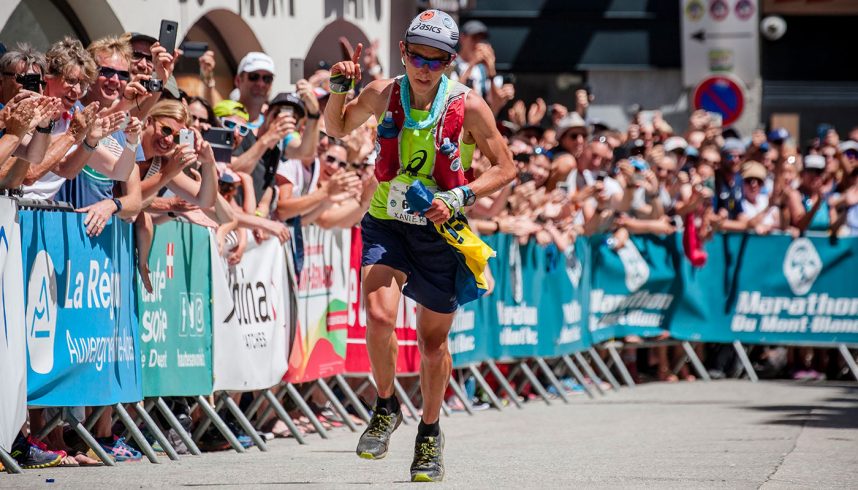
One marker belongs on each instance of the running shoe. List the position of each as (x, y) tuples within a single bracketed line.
[(35, 441), (120, 450), (33, 458), (375, 439), (428, 463)]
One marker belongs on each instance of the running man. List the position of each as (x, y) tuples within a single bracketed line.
[(428, 127)]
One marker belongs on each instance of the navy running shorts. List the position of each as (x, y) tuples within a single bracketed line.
[(420, 252)]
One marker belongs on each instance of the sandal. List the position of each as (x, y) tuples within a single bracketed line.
[(85, 460), (68, 461)]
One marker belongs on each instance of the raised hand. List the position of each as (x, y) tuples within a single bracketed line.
[(350, 69)]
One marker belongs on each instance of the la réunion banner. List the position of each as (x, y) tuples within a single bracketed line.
[(81, 318)]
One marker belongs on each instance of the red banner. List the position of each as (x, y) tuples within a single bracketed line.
[(357, 358)]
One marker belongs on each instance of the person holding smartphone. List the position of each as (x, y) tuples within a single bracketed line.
[(400, 245)]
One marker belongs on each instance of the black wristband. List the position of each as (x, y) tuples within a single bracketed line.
[(48, 130), (314, 116), (118, 205)]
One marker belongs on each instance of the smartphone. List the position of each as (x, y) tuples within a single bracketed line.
[(167, 36), (563, 187), (193, 49), (525, 177), (296, 70), (716, 118), (646, 117), (222, 141), (186, 137), (31, 82)]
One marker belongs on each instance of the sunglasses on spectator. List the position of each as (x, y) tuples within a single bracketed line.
[(851, 154), (139, 55), (753, 181), (199, 119), (22, 79), (107, 72), (522, 157), (434, 64), (167, 131), (336, 161), (815, 171), (254, 77), (230, 124), (575, 135)]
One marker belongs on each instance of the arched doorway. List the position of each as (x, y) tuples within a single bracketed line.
[(229, 36), (42, 22), (326, 45)]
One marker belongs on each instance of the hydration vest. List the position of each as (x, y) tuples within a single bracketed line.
[(447, 168)]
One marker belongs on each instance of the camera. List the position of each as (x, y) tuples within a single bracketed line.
[(152, 85), (773, 27)]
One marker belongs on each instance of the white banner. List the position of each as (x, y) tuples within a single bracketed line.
[(13, 342), (251, 316)]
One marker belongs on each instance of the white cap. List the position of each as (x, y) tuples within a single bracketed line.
[(256, 61), (816, 162), (675, 143)]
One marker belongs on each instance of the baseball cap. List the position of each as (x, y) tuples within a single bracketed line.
[(226, 108), (434, 28), (473, 27), (139, 36), (754, 170), (256, 61), (848, 145), (733, 144), (778, 135), (675, 143), (814, 162), (225, 174), (570, 121), (289, 99)]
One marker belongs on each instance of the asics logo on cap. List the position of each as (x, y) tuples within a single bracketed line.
[(426, 27)]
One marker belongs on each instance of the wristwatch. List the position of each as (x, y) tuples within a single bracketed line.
[(46, 130), (131, 146), (118, 205)]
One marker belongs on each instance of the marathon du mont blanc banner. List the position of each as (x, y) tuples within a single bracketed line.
[(772, 289)]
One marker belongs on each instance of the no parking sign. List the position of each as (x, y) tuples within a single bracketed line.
[(720, 94)]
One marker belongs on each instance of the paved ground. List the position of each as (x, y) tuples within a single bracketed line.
[(725, 434)]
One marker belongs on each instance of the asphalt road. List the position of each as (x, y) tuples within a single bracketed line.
[(724, 434)]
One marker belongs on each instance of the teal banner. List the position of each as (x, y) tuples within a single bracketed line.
[(772, 290), (567, 289), (176, 317), (635, 289)]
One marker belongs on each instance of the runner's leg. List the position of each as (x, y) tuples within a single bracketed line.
[(382, 286), (435, 361)]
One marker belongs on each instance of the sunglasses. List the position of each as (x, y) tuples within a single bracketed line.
[(522, 157), (165, 130), (107, 72), (336, 161), (139, 55), (418, 61), (27, 79), (199, 119), (753, 181), (230, 124), (254, 77)]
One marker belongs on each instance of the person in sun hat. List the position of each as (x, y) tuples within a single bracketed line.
[(428, 129)]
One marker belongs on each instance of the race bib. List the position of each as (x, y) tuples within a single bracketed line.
[(397, 207)]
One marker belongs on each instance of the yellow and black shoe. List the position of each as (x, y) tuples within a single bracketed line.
[(375, 439), (428, 464), (33, 458)]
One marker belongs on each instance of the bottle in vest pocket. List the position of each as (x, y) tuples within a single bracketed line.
[(387, 128)]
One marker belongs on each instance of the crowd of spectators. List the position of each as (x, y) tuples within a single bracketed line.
[(107, 130)]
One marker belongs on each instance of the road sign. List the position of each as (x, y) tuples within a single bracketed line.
[(723, 95), (720, 36)]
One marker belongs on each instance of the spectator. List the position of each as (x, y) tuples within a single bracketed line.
[(807, 206), (253, 80)]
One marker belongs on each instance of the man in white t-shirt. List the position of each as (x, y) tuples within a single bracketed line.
[(755, 208)]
